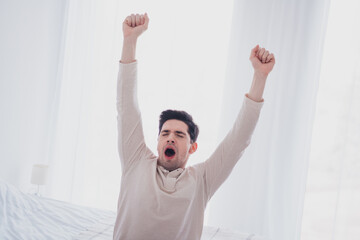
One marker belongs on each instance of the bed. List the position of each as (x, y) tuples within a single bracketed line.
[(25, 216)]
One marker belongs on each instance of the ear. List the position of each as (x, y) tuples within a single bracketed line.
[(193, 148)]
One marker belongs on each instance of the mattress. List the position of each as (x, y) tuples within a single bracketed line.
[(26, 216)]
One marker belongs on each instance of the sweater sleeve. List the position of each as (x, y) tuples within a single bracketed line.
[(220, 164), (131, 142)]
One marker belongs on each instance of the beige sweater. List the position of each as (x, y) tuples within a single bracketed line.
[(153, 202)]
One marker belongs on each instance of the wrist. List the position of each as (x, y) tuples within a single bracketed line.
[(129, 50), (260, 75), (257, 86), (130, 40)]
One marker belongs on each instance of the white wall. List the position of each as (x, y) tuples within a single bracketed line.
[(29, 48)]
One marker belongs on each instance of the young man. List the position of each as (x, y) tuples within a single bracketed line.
[(160, 199)]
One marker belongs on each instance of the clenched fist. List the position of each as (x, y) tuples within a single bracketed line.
[(262, 61), (134, 25)]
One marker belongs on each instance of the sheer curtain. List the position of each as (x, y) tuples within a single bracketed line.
[(265, 192), (83, 154), (331, 209), (29, 43)]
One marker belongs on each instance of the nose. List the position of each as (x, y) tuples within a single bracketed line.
[(170, 138)]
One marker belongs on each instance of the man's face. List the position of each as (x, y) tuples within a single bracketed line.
[(174, 145)]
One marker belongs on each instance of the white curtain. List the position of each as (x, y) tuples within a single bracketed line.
[(331, 209), (265, 191), (83, 158), (30, 33)]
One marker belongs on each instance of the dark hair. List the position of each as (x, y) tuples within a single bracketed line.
[(193, 129)]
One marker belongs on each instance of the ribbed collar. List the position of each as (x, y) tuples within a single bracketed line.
[(173, 174)]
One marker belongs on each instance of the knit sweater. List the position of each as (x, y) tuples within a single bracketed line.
[(155, 204)]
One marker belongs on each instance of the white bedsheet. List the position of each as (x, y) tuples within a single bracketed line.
[(25, 216)]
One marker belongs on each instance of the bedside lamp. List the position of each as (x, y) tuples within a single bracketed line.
[(38, 176)]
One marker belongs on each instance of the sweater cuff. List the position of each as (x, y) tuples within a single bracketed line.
[(248, 101), (127, 63), (128, 69)]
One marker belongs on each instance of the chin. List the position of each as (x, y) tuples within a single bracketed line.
[(168, 165)]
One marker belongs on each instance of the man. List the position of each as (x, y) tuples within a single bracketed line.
[(160, 199)]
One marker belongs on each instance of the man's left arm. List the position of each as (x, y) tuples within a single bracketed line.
[(220, 164), (262, 62)]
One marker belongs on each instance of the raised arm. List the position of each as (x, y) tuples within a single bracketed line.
[(133, 27), (131, 143), (220, 164), (262, 62)]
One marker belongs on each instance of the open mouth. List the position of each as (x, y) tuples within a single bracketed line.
[(169, 152)]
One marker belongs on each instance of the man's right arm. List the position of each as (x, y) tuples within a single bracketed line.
[(131, 143)]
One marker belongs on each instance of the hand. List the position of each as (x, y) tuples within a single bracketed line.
[(134, 25), (262, 61)]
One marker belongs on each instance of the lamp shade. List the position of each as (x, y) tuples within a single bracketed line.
[(38, 174)]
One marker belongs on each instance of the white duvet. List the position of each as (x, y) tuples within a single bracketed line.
[(24, 216)]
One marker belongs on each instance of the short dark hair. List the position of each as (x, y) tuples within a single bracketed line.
[(193, 129)]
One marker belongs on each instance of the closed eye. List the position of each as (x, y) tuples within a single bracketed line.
[(178, 133)]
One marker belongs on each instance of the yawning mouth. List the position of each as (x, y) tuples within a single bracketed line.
[(169, 152)]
